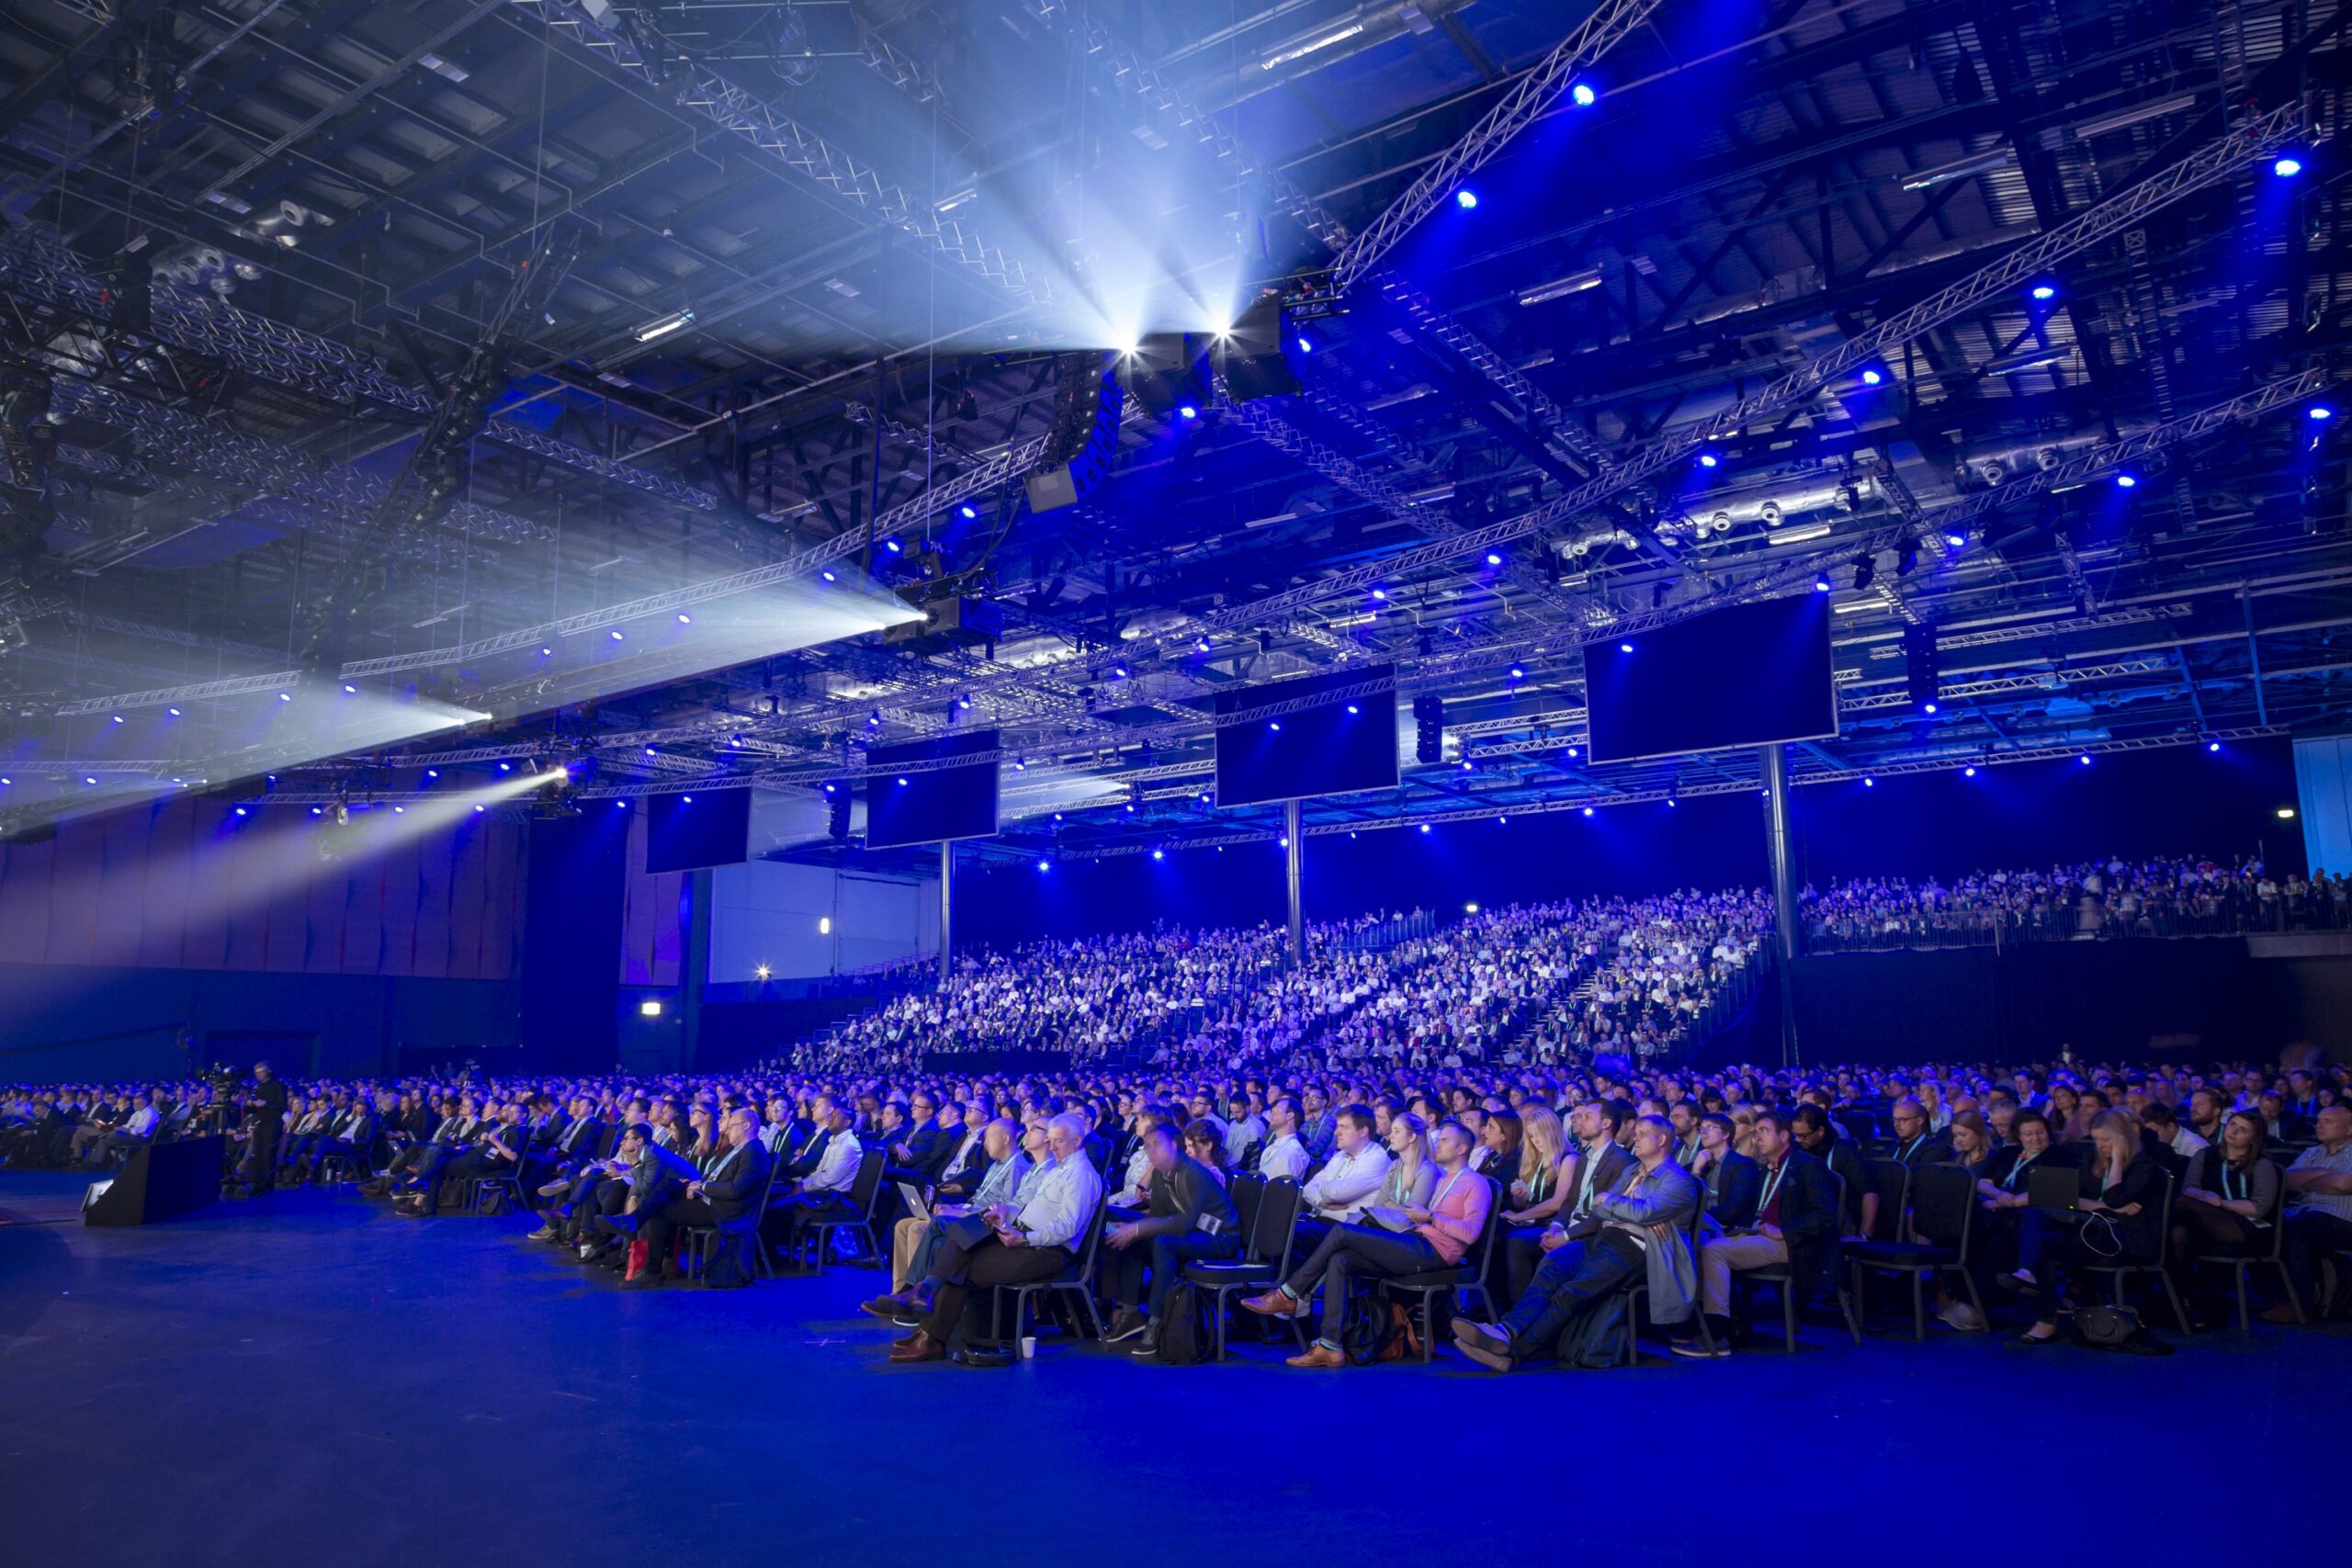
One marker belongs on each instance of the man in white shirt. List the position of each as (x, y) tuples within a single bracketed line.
[(824, 1192), (1349, 1180), (1036, 1240), (1284, 1156)]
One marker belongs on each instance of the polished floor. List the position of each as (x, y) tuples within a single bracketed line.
[(307, 1378)]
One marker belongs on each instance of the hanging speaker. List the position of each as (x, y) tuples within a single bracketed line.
[(1254, 357), (1919, 664), (1429, 730), (1085, 436)]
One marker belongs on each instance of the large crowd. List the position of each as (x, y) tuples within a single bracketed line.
[(2113, 897), (1537, 1198)]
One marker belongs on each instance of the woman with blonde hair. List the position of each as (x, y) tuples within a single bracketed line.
[(1546, 1176), (1743, 1135), (2118, 1225)]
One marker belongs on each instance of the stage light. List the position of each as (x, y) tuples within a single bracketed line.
[(1465, 764), (1466, 199), (615, 635), (1669, 800), (2288, 166), (1625, 647), (1871, 377), (1572, 750), (824, 925), (2286, 814), (1928, 707), (665, 326), (2042, 292), (477, 810), (399, 811), (118, 718), (546, 652), (1380, 595), (1203, 644), (689, 800), (1273, 724), (241, 811), (684, 619), (1582, 94), (90, 779), (2213, 745), (505, 767), (1466, 908), (1021, 764), (1494, 559), (649, 752), (2319, 411), (1708, 460), (901, 780), (968, 512), (2084, 761), (828, 575), (892, 545), (317, 810), (1282, 843), (649, 1009), (1305, 346), (1588, 811), (1425, 826), (1518, 673), (1968, 772), (964, 703), (1186, 411), (760, 971), (432, 772), (1869, 784), (1352, 708), (1820, 583), (1158, 855), (285, 696), (1045, 865), (620, 806), (1956, 540), (2126, 481), (173, 712)]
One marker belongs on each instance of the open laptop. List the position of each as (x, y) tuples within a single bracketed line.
[(913, 1196), (2056, 1188)]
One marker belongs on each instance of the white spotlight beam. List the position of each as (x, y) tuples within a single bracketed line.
[(1534, 91)]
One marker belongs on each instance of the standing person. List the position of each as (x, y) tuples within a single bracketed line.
[(265, 1119)]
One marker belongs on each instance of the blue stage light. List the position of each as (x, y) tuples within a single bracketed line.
[(1188, 412), (1821, 584), (2126, 481), (1930, 707), (241, 811), (689, 800), (2084, 761), (1588, 811), (684, 619), (118, 718), (1968, 772), (1582, 94), (432, 772), (902, 780), (546, 651), (2320, 412), (316, 810), (1381, 594), (1517, 673), (1494, 559), (1872, 377), (1625, 647), (828, 575), (2043, 292), (285, 696), (2288, 167), (1466, 199), (1045, 865), (1956, 540), (1352, 708), (1425, 826), (505, 767), (1869, 784), (615, 636), (173, 712), (968, 509), (1273, 724), (892, 545), (2213, 745), (1708, 460), (1159, 855)]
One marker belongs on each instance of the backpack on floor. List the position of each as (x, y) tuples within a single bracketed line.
[(1370, 1332), (1181, 1341), (1593, 1337)]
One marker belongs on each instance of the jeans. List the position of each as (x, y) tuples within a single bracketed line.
[(1570, 1275), (1349, 1249), (1166, 1256), (2311, 1233)]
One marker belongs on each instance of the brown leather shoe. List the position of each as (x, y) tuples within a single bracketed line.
[(888, 1307), (1317, 1355), (1274, 1304), (2277, 1312), (920, 1348)]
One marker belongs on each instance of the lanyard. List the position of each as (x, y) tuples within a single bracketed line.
[(1443, 1188), (2016, 1172), (1771, 1185), (2232, 1179)]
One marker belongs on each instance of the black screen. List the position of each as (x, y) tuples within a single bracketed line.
[(926, 805), (1334, 748), (1745, 676), (697, 827)]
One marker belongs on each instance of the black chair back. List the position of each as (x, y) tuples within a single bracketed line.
[(1274, 1233), (1891, 1179), (1944, 1206), (1247, 1191)]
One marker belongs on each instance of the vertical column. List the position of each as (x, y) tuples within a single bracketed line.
[(1774, 763), (946, 908), (1295, 860), (694, 971)]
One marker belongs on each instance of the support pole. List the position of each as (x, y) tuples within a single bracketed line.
[(1775, 767), (946, 908), (1295, 858), (2254, 657)]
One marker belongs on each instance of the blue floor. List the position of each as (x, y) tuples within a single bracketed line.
[(309, 1379)]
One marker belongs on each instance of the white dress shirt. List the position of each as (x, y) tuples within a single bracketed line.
[(1284, 1156), (1064, 1200), (837, 1167), (1347, 1182), (2186, 1142)]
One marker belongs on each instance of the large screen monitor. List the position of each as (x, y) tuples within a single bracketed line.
[(695, 828), (1330, 734), (1748, 675), (948, 790)]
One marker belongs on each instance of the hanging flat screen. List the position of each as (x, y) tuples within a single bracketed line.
[(928, 790), (697, 827), (1280, 742), (1748, 675)]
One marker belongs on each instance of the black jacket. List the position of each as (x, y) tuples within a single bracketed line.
[(1182, 1197), (738, 1182), (1733, 1185), (1809, 1224)]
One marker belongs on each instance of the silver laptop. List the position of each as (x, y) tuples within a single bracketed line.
[(913, 1195)]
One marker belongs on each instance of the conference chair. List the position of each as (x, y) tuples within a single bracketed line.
[(1782, 1278), (1270, 1240), (1078, 1279), (1943, 1225), (702, 1239), (865, 1191), (2271, 1254), (2160, 1268), (1470, 1277), (1636, 1294)]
